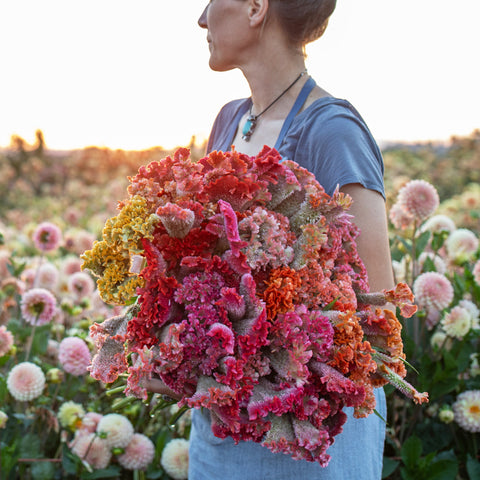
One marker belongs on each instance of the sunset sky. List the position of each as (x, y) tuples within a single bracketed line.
[(134, 74)]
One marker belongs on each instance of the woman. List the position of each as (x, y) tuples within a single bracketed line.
[(265, 39)]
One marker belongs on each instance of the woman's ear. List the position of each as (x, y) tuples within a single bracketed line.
[(257, 12)]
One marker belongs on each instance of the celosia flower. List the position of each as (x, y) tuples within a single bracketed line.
[(138, 454), (70, 415), (3, 419), (400, 217), (467, 410), (476, 272), (419, 198), (433, 290), (174, 459), (38, 306), (81, 285), (457, 322), (6, 340), (47, 276), (439, 223), (25, 381), (92, 449), (47, 237), (74, 355), (462, 245), (116, 429)]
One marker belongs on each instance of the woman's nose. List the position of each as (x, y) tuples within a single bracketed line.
[(202, 21)]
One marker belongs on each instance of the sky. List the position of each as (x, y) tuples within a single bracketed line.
[(134, 74)]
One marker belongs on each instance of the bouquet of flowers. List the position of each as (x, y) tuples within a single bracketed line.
[(247, 297)]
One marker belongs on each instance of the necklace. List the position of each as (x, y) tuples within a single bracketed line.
[(251, 122)]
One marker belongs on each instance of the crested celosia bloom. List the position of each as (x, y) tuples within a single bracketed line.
[(476, 272), (47, 237), (433, 290), (74, 355), (400, 217), (81, 285), (6, 340), (38, 306), (467, 410), (70, 415), (174, 459), (438, 223), (462, 245), (457, 322), (47, 276), (138, 454), (116, 429), (91, 449), (252, 300), (419, 198), (25, 381)]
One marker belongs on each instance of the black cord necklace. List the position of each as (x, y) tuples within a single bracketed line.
[(251, 122)]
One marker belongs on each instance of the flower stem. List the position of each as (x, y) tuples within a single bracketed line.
[(30, 339)]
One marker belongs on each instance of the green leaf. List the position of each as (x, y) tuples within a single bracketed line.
[(411, 451), (113, 471), (421, 243), (473, 468), (445, 468), (389, 466), (30, 446), (42, 470)]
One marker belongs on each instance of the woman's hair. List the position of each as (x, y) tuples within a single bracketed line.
[(303, 20)]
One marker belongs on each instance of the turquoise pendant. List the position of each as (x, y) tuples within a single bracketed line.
[(249, 127)]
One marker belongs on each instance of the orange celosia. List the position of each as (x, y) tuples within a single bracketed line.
[(279, 294)]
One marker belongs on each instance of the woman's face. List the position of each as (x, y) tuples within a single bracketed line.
[(226, 22)]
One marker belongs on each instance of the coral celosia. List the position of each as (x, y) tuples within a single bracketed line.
[(138, 454), (47, 237), (467, 410), (433, 290), (25, 381), (6, 340), (38, 306), (70, 415), (116, 429), (462, 245), (419, 198), (174, 458), (74, 355)]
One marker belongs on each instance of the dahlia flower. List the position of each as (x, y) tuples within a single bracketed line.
[(71, 265), (400, 217), (3, 419), (476, 272), (419, 198), (70, 415), (462, 245), (47, 237), (174, 459), (47, 276), (90, 421), (138, 454), (433, 290), (440, 340), (438, 223), (473, 310), (81, 285), (38, 306), (467, 410), (438, 262), (6, 340), (91, 449), (117, 429), (457, 322), (74, 355), (25, 381)]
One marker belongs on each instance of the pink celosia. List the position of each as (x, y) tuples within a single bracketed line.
[(138, 454), (476, 272), (92, 449), (467, 410), (81, 285), (433, 290), (457, 322), (74, 355), (462, 245), (174, 458), (47, 237), (6, 340), (400, 217), (25, 381), (419, 198), (38, 306), (117, 430)]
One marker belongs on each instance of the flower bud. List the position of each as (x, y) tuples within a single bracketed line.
[(446, 415), (55, 375), (3, 419)]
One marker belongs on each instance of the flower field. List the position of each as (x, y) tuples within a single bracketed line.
[(57, 421)]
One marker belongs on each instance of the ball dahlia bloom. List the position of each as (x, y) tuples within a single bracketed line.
[(439, 223), (90, 421), (138, 454), (457, 322), (400, 217), (467, 410), (174, 458), (47, 276), (419, 198), (92, 449), (433, 290), (6, 340), (38, 306), (74, 355), (70, 414), (461, 245), (476, 272), (81, 285), (117, 429), (47, 237), (25, 381)]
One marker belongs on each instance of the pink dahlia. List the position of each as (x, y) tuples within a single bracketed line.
[(47, 276), (439, 223), (47, 237), (400, 217), (457, 322), (174, 458), (92, 449), (74, 355), (117, 429), (462, 245), (81, 285), (419, 198), (71, 265), (90, 421), (138, 454), (467, 410), (433, 290), (38, 306), (6, 340), (476, 272), (25, 381)]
